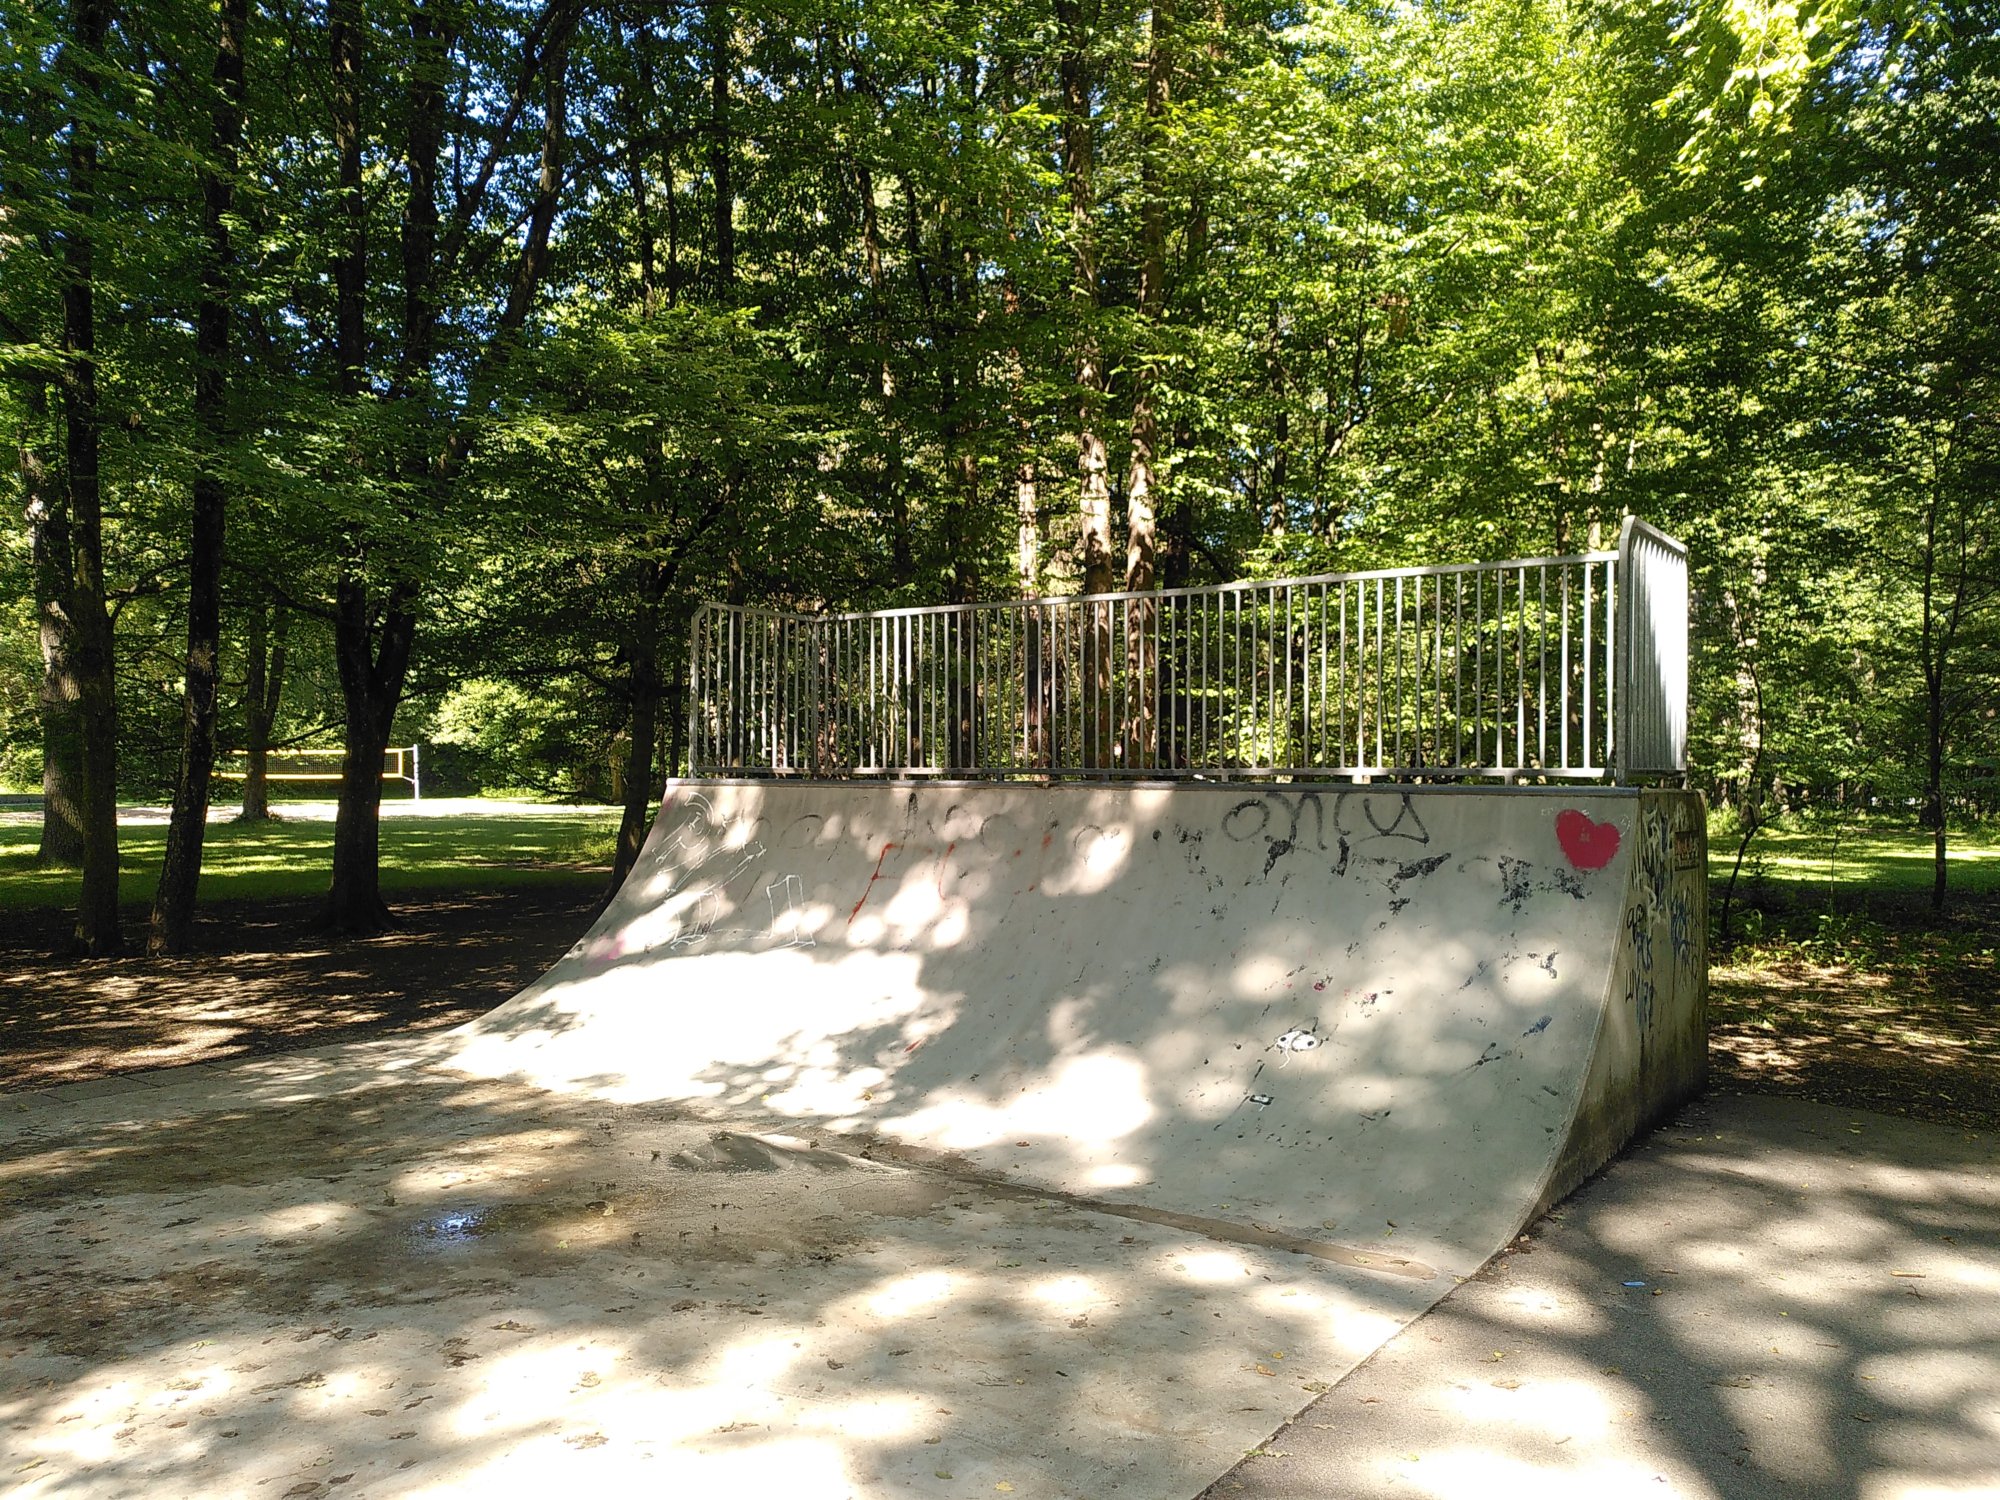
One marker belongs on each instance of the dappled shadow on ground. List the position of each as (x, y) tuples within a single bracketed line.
[(1767, 1297), (1827, 1031), (261, 980), (344, 1275)]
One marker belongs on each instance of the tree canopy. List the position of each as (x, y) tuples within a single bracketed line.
[(468, 343)]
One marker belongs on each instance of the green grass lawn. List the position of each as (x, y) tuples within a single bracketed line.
[(1871, 859), (262, 861)]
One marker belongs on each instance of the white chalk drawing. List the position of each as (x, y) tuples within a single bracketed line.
[(701, 905), (787, 918)]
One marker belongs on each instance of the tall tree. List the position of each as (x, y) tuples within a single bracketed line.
[(86, 615), (377, 602), (173, 904)]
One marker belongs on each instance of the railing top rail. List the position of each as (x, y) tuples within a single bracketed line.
[(1210, 590), (1633, 526)]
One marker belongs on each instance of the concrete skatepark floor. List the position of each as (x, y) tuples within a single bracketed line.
[(256, 1278), (1766, 1297), (334, 1273)]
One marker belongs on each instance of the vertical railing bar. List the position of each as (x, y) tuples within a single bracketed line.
[(697, 691), (1542, 645), (1381, 691), (1399, 673), (1479, 670), (1282, 643), (1207, 612), (1340, 673), (734, 755), (1565, 669), (1589, 667), (1520, 666), (1247, 600), (1614, 748), (1459, 675), (1437, 670)]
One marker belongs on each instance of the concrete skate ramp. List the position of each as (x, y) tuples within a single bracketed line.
[(1375, 1025)]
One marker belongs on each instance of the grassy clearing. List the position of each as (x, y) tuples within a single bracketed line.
[(1858, 860), (1860, 896), (254, 862)]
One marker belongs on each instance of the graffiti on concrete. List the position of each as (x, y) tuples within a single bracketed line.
[(1680, 929), (1293, 820), (1299, 1039), (1586, 843), (1639, 926), (1521, 879), (873, 877), (1655, 854)]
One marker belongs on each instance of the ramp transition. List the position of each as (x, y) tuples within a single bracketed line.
[(1379, 1025)]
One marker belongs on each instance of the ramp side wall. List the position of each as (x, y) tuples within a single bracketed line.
[(1652, 1049)]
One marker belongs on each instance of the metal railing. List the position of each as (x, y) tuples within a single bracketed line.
[(1560, 667)]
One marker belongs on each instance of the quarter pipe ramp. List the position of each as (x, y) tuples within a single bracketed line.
[(1365, 1023)]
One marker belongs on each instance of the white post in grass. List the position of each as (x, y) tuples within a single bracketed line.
[(416, 773)]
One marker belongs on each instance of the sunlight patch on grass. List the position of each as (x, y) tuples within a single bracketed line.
[(290, 859), (1889, 860)]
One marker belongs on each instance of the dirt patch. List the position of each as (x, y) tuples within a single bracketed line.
[(261, 980), (1857, 1039), (1871, 1003)]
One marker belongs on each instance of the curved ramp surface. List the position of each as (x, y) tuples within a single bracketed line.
[(1310, 1011)]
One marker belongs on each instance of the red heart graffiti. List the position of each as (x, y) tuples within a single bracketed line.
[(1589, 845)]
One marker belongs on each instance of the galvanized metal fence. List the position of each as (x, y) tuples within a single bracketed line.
[(1561, 667)]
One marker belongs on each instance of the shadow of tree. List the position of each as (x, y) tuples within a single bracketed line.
[(306, 1272), (1767, 1296)]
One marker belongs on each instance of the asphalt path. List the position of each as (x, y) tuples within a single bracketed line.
[(1766, 1297)]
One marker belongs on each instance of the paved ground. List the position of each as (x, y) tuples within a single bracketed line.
[(336, 1273), (1766, 1298)]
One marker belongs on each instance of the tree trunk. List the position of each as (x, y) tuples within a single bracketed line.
[(354, 899), (1100, 575), (643, 652), (373, 641), (180, 872), (350, 259), (373, 664), (721, 68), (1142, 747), (902, 561), (1934, 726), (51, 561), (263, 690), (93, 660)]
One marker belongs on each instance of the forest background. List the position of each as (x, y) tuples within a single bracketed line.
[(407, 370)]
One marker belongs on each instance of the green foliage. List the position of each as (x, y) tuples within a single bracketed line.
[(1440, 283)]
